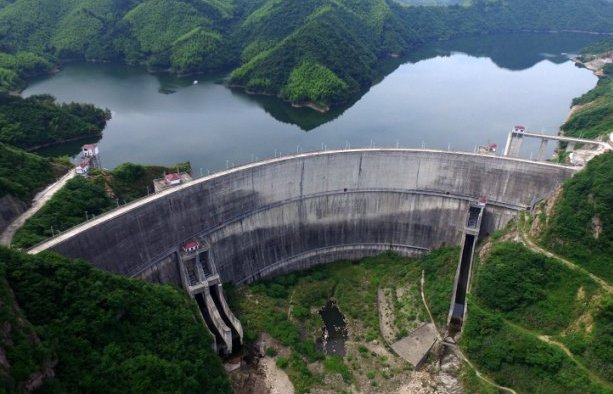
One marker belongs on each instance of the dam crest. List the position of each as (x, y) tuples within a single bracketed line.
[(261, 217)]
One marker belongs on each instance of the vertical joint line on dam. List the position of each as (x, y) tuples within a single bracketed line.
[(471, 229)]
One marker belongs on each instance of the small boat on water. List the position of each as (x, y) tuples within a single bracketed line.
[(195, 82)]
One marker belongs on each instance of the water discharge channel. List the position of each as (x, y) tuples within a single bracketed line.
[(335, 330)]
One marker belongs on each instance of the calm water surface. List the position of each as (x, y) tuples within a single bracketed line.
[(454, 95), (335, 330)]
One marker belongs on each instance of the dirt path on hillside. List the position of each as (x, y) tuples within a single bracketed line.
[(547, 339), (39, 201), (534, 247)]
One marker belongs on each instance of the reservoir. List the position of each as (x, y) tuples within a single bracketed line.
[(446, 95)]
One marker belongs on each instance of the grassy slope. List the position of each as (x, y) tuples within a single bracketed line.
[(579, 225), (439, 270), (109, 333), (519, 295)]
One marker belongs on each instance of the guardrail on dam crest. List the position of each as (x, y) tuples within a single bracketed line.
[(293, 212)]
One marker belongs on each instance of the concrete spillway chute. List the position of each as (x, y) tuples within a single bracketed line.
[(471, 229), (202, 282)]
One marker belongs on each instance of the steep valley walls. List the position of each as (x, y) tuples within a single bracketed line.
[(290, 213)]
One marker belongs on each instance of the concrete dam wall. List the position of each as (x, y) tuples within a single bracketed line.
[(290, 213)]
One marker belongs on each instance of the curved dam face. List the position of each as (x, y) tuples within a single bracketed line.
[(291, 213)]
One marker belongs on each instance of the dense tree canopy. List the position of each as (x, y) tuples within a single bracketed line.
[(82, 198), (22, 173), (108, 333), (38, 120)]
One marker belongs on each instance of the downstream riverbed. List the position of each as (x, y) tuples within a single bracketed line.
[(452, 95)]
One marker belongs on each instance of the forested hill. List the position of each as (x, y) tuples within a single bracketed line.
[(320, 51), (68, 327)]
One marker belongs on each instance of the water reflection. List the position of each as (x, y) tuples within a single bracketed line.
[(514, 52), (305, 118), (437, 98)]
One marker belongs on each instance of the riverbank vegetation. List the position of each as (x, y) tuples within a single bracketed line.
[(287, 308), (39, 121), (16, 68), (91, 331), (83, 198), (266, 42), (593, 116)]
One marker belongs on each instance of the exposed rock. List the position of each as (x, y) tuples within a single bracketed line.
[(439, 377), (544, 211), (10, 208), (596, 227), (38, 378), (276, 379), (447, 378)]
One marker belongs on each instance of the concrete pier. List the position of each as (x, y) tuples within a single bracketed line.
[(516, 137), (290, 213)]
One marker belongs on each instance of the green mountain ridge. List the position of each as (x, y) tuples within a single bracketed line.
[(264, 42)]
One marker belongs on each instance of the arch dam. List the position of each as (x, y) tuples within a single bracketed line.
[(274, 216)]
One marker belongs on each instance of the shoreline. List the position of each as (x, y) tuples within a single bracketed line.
[(307, 104), (58, 66), (596, 33), (596, 69), (311, 105), (47, 145)]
